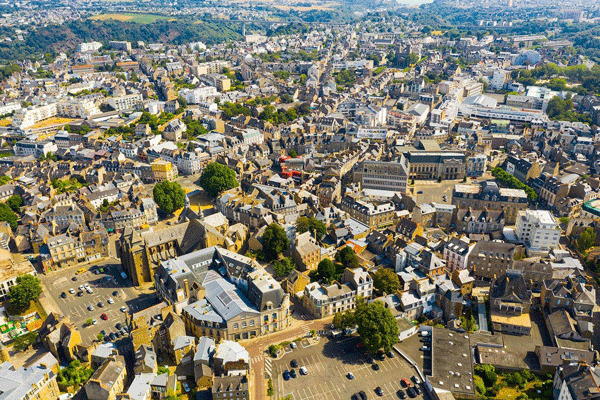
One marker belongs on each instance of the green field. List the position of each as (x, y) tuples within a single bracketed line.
[(140, 18)]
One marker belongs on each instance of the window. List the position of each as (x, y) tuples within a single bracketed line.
[(236, 326), (244, 324)]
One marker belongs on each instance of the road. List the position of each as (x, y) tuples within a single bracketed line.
[(257, 351)]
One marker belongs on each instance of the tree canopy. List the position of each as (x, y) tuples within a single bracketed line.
[(376, 325), (169, 196), (217, 177), (317, 228), (274, 241), (385, 280), (347, 257), (15, 202), (27, 289), (283, 267), (585, 240), (327, 270), (8, 215)]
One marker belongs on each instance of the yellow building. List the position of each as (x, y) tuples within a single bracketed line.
[(163, 170)]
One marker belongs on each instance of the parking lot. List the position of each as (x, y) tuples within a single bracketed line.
[(105, 285), (328, 364)]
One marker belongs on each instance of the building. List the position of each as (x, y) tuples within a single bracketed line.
[(132, 101), (538, 230), (229, 387), (322, 301), (108, 380), (489, 196), (576, 381), (306, 252), (381, 175), (28, 147), (372, 215), (34, 382), (456, 253), (10, 271), (510, 300), (431, 165), (28, 117), (489, 259), (476, 165), (163, 170)]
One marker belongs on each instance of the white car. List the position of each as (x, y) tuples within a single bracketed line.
[(94, 322), (81, 287), (303, 371), (87, 286), (110, 300), (71, 290), (89, 290), (123, 309)]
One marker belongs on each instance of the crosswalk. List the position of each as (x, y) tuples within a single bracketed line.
[(268, 367)]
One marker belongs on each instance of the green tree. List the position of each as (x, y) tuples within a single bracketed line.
[(283, 267), (89, 321), (317, 228), (8, 215), (292, 153), (376, 325), (487, 373), (344, 320), (347, 257), (15, 202), (27, 289), (585, 240), (217, 177), (274, 241), (24, 341), (326, 270), (169, 196), (385, 280), (99, 337)]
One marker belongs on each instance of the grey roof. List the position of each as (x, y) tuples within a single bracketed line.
[(15, 384), (204, 350)]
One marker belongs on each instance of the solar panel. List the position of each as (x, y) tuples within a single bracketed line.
[(224, 297)]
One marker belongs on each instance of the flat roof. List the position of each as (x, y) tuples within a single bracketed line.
[(452, 366)]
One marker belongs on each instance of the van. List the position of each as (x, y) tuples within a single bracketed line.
[(81, 270)]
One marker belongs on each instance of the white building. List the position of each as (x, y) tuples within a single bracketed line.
[(8, 108), (126, 102), (538, 230), (77, 108), (29, 147), (476, 165), (89, 47), (24, 118), (199, 94)]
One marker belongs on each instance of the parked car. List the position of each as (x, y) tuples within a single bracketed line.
[(362, 395), (303, 371), (63, 295), (390, 354), (81, 287), (110, 300), (123, 309), (118, 325), (411, 392), (425, 348), (417, 389), (293, 345), (100, 304), (401, 393), (350, 375), (112, 336), (381, 356), (74, 279), (89, 290), (375, 367), (90, 308), (186, 387), (379, 391), (405, 382), (294, 364), (286, 375), (293, 373), (71, 290), (415, 379), (94, 321), (115, 293), (104, 317), (79, 294)]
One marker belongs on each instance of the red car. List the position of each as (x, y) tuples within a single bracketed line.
[(104, 316), (405, 382)]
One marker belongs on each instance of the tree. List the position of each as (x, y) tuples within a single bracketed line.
[(283, 267), (316, 227), (292, 153), (386, 281), (15, 202), (585, 240), (376, 325), (326, 270), (347, 257), (27, 289), (344, 320), (169, 196), (274, 241), (89, 321), (99, 337), (216, 178), (488, 373), (8, 215), (24, 341)]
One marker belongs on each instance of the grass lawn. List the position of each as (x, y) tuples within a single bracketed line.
[(530, 390), (140, 18)]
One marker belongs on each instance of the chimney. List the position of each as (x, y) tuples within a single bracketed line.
[(186, 288)]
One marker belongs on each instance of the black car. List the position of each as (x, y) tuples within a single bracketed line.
[(294, 364), (293, 373), (390, 354), (401, 393), (63, 295), (118, 334), (411, 392), (362, 395), (100, 304), (112, 336), (286, 375), (118, 326), (379, 391), (74, 279), (355, 396), (369, 359), (415, 379), (381, 356), (115, 293), (375, 367), (417, 389), (80, 293)]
